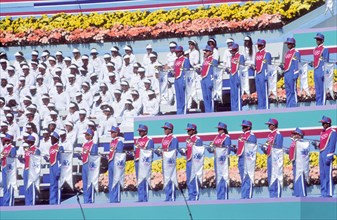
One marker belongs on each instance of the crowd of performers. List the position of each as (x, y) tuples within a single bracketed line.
[(194, 151)]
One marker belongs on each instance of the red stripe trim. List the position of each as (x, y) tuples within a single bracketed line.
[(310, 51), (263, 134), (131, 7)]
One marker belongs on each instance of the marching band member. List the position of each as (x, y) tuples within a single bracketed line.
[(247, 136), (193, 139), (300, 186), (236, 60), (327, 147), (88, 148), (54, 169), (30, 192), (8, 150), (207, 78), (116, 146), (181, 64), (169, 143), (291, 72), (144, 142), (275, 140), (262, 59), (321, 55), (222, 140)]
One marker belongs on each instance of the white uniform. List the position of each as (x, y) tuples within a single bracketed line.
[(146, 60), (72, 137), (71, 90), (127, 119), (227, 58), (135, 80), (151, 107), (107, 97), (88, 96), (67, 146), (61, 101), (97, 65), (73, 117), (45, 146), (194, 57), (170, 59), (113, 86), (118, 61), (84, 105), (78, 62), (118, 107), (126, 72), (42, 89), (138, 105), (106, 126), (82, 126), (14, 129)]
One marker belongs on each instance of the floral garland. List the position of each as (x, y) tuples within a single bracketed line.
[(140, 25)]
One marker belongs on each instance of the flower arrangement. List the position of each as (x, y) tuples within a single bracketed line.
[(139, 25), (157, 183), (302, 96)]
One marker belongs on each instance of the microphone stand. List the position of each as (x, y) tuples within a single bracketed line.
[(79, 203), (188, 208)]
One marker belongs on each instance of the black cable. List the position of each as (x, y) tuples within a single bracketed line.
[(188, 208), (79, 203)]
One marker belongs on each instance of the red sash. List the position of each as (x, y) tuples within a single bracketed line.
[(325, 137), (219, 139), (53, 150), (29, 152), (113, 146), (189, 144), (206, 66), (178, 67), (165, 143), (259, 60), (292, 151), (318, 55), (271, 139), (86, 148), (141, 144), (5, 152), (241, 142), (290, 56), (235, 62)]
